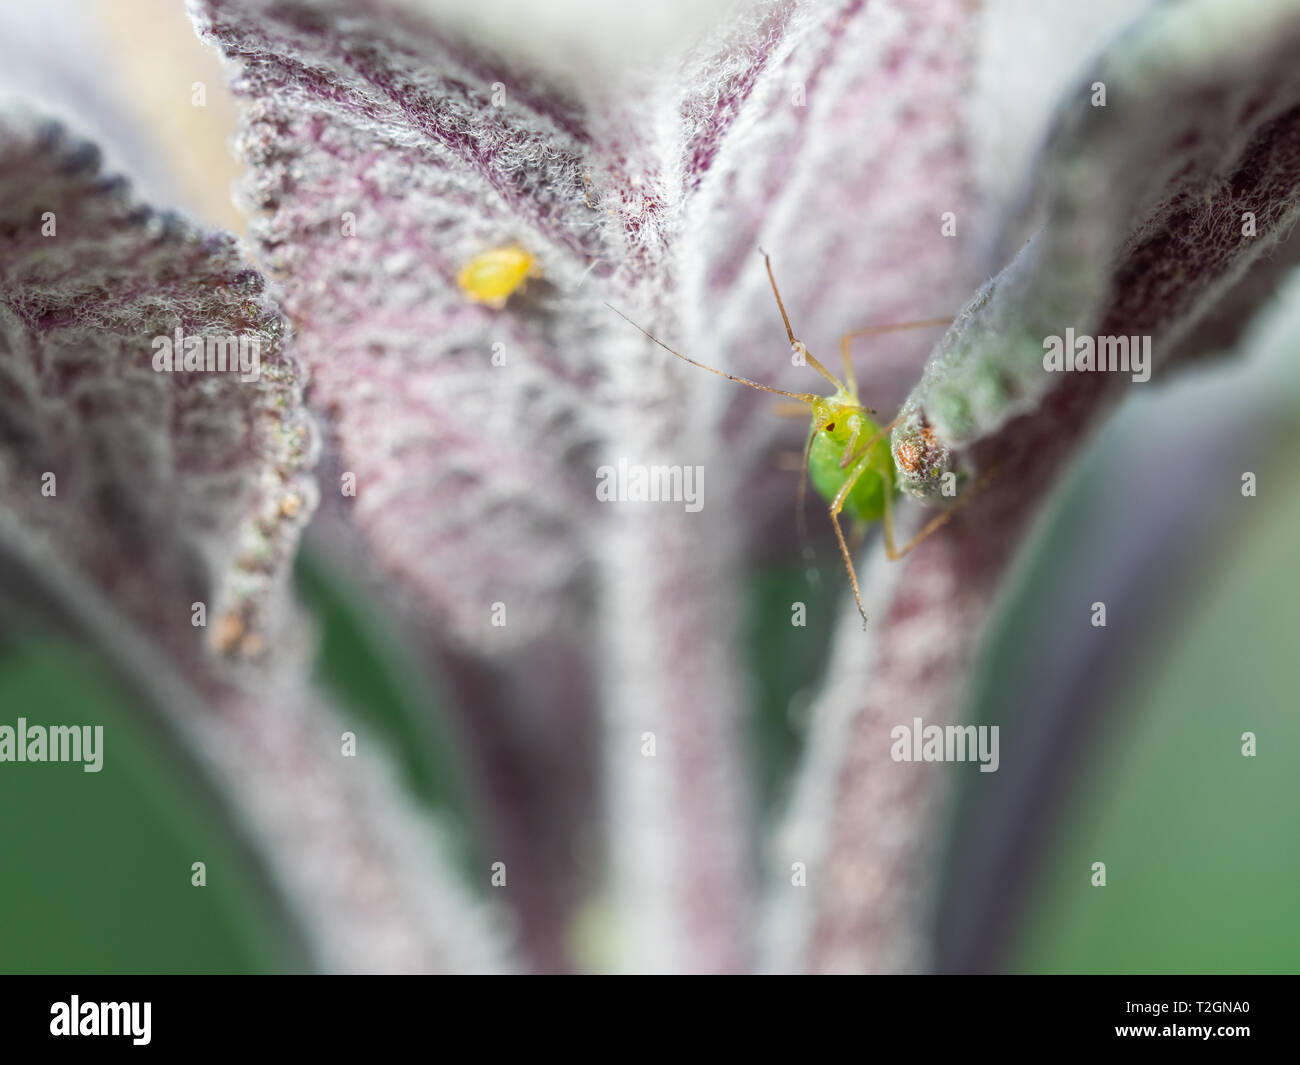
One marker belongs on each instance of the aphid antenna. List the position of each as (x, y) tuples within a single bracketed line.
[(802, 397), (796, 344)]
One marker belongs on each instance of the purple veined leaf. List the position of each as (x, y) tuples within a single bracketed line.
[(463, 427), (465, 465), (464, 468), (807, 114), (103, 452), (838, 152), (1144, 229), (464, 441), (693, 208), (132, 494), (381, 170)]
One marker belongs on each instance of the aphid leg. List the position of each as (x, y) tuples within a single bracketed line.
[(931, 526), (801, 512), (800, 507), (934, 523), (846, 343), (795, 344), (850, 446), (851, 456), (848, 564), (836, 506)]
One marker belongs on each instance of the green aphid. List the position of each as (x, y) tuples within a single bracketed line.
[(848, 456)]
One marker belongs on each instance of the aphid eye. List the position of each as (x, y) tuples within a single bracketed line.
[(830, 426)]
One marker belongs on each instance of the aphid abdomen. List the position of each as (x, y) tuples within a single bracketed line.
[(866, 500)]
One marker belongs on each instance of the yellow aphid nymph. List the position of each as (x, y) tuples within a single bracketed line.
[(492, 276)]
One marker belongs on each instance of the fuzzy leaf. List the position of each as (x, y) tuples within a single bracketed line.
[(1155, 204), (475, 481), (130, 495)]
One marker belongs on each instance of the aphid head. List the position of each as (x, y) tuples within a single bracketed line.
[(839, 416)]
